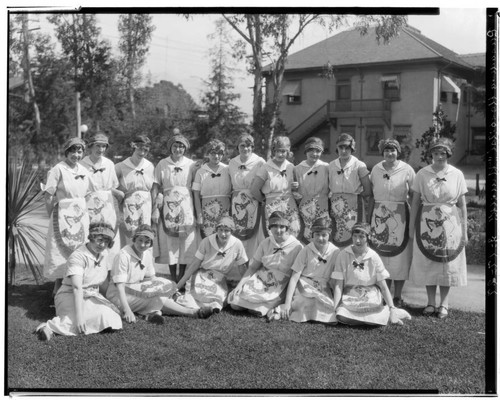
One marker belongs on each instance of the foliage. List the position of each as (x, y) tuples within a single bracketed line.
[(441, 128), (234, 351), (224, 120), (25, 240), (135, 35), (270, 37)]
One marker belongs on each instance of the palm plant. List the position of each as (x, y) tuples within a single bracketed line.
[(25, 239)]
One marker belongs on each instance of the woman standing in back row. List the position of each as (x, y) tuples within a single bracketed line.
[(439, 223), (177, 238), (392, 180), (245, 209), (349, 184), (136, 178)]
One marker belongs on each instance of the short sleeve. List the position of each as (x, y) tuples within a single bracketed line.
[(462, 185), (158, 173), (362, 169), (339, 267), (203, 249), (148, 262), (411, 176), (197, 181), (119, 272), (53, 178), (415, 187), (301, 261), (259, 253), (381, 272), (241, 257), (261, 173), (76, 264)]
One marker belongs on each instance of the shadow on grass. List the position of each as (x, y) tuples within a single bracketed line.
[(36, 300)]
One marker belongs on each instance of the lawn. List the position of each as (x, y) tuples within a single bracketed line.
[(237, 352)]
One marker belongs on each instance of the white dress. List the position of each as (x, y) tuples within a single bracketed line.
[(266, 288), (208, 287), (101, 205), (144, 291), (177, 238), (136, 182), (313, 296), (346, 204), (245, 210), (98, 313), (69, 221), (438, 245), (390, 218)]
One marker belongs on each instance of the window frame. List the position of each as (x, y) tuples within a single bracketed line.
[(388, 90)]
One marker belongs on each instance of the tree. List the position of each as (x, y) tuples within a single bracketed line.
[(270, 37), (441, 127), (90, 57), (135, 35), (225, 119)]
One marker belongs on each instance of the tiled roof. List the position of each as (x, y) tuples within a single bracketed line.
[(350, 48), (475, 59)]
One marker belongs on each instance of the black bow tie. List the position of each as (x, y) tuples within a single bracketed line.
[(386, 176), (215, 175), (139, 171), (177, 169), (321, 259), (358, 265), (340, 172), (97, 263), (276, 249), (80, 177), (283, 173), (242, 167), (313, 172), (441, 179), (96, 170), (221, 253), (141, 265)]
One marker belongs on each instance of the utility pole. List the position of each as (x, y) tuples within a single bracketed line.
[(27, 71)]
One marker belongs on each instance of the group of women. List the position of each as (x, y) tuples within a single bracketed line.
[(325, 241)]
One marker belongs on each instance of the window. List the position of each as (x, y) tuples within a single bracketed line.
[(374, 133), (478, 145), (343, 95), (292, 91), (444, 97), (454, 98), (402, 133), (391, 86)]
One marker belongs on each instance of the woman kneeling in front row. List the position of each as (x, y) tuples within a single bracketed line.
[(135, 288), (360, 285), (80, 308)]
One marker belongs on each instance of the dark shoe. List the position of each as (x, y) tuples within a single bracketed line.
[(155, 318), (398, 302), (204, 313), (442, 312), (44, 334), (216, 310), (428, 311)]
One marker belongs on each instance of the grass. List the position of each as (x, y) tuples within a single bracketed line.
[(237, 352)]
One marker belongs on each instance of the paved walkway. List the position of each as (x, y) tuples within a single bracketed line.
[(468, 298)]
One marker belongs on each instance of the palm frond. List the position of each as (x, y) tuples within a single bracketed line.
[(24, 197)]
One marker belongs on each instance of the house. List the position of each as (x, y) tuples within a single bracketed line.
[(377, 91)]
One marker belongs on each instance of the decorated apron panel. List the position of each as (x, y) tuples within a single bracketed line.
[(346, 209), (287, 206), (101, 208), (311, 208), (212, 209), (439, 233), (389, 228), (264, 286), (136, 211), (155, 287), (245, 211), (177, 212), (71, 222)]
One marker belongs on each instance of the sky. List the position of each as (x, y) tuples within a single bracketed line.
[(179, 48)]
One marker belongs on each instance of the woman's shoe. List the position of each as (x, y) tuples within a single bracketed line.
[(155, 317), (428, 311), (44, 334), (204, 312), (442, 312), (398, 302)]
